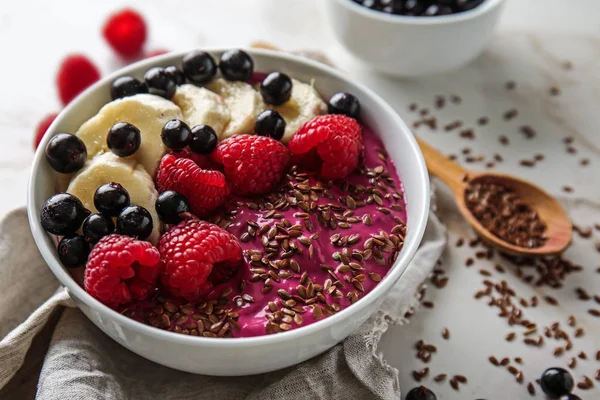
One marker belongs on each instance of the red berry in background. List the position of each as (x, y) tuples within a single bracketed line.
[(75, 74), (125, 32), (42, 127)]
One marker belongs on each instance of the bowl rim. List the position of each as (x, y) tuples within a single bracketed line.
[(405, 256), (478, 11)]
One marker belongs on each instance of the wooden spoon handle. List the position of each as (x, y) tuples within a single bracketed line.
[(445, 169)]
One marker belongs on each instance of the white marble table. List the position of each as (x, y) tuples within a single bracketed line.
[(535, 38)]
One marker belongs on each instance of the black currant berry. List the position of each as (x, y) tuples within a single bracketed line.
[(176, 135), (123, 139), (62, 214), (199, 67), (175, 74), (110, 199), (160, 83), (169, 206), (126, 86), (135, 221), (66, 153), (96, 226), (73, 251), (276, 88), (270, 123), (344, 103), (204, 139), (236, 65)]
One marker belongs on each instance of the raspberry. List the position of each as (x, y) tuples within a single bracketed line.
[(253, 164), (204, 190), (121, 269), (75, 74), (335, 139), (196, 256), (42, 128), (125, 32)]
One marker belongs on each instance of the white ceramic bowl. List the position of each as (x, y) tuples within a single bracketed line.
[(407, 46), (240, 356)]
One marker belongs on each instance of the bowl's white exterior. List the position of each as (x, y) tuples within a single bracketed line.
[(412, 46), (244, 355)]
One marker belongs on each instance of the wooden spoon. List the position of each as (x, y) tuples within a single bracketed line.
[(559, 229)]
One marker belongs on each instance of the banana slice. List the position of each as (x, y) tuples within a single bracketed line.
[(108, 167), (244, 104), (146, 111), (304, 104), (202, 107)]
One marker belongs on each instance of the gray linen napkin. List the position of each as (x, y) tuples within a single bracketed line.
[(80, 362)]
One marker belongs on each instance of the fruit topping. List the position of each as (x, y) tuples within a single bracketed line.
[(556, 382), (62, 214), (252, 164), (193, 251), (170, 205), (146, 112), (125, 32), (135, 221), (73, 251), (420, 393), (123, 139), (199, 67), (121, 269), (201, 106), (110, 199), (344, 103), (160, 83), (96, 226), (204, 139), (205, 190), (236, 65), (42, 127), (66, 153), (75, 74), (243, 102), (125, 86), (335, 139), (270, 123), (175, 74), (276, 88), (176, 135)]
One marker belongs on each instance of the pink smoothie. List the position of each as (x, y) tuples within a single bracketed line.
[(280, 286)]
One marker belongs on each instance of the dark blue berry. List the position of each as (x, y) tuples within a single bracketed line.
[(176, 135), (135, 221), (123, 139), (96, 226), (344, 103), (270, 123), (66, 153), (556, 382), (110, 199), (420, 393), (62, 214), (199, 67), (276, 88), (126, 86), (170, 205), (160, 83), (236, 65), (204, 139), (176, 74), (73, 251)]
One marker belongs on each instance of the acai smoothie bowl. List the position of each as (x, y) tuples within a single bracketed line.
[(228, 212)]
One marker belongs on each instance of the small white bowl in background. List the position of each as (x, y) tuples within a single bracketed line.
[(407, 46), (240, 356)]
